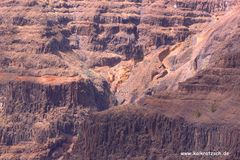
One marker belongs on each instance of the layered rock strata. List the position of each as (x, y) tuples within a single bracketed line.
[(60, 62)]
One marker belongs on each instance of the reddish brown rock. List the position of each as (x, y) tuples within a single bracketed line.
[(174, 64)]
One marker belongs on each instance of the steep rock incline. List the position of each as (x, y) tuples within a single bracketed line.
[(197, 110), (203, 77), (161, 24), (210, 60), (139, 133), (42, 115), (55, 53), (40, 136), (131, 28), (65, 38), (33, 97)]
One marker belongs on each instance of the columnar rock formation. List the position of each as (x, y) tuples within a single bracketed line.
[(119, 79), (143, 133)]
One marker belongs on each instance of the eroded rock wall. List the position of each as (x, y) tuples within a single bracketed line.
[(139, 133), (52, 37), (32, 97), (126, 27)]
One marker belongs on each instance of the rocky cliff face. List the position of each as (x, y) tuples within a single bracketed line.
[(131, 28), (144, 133), (45, 116), (32, 97), (173, 64), (36, 111)]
